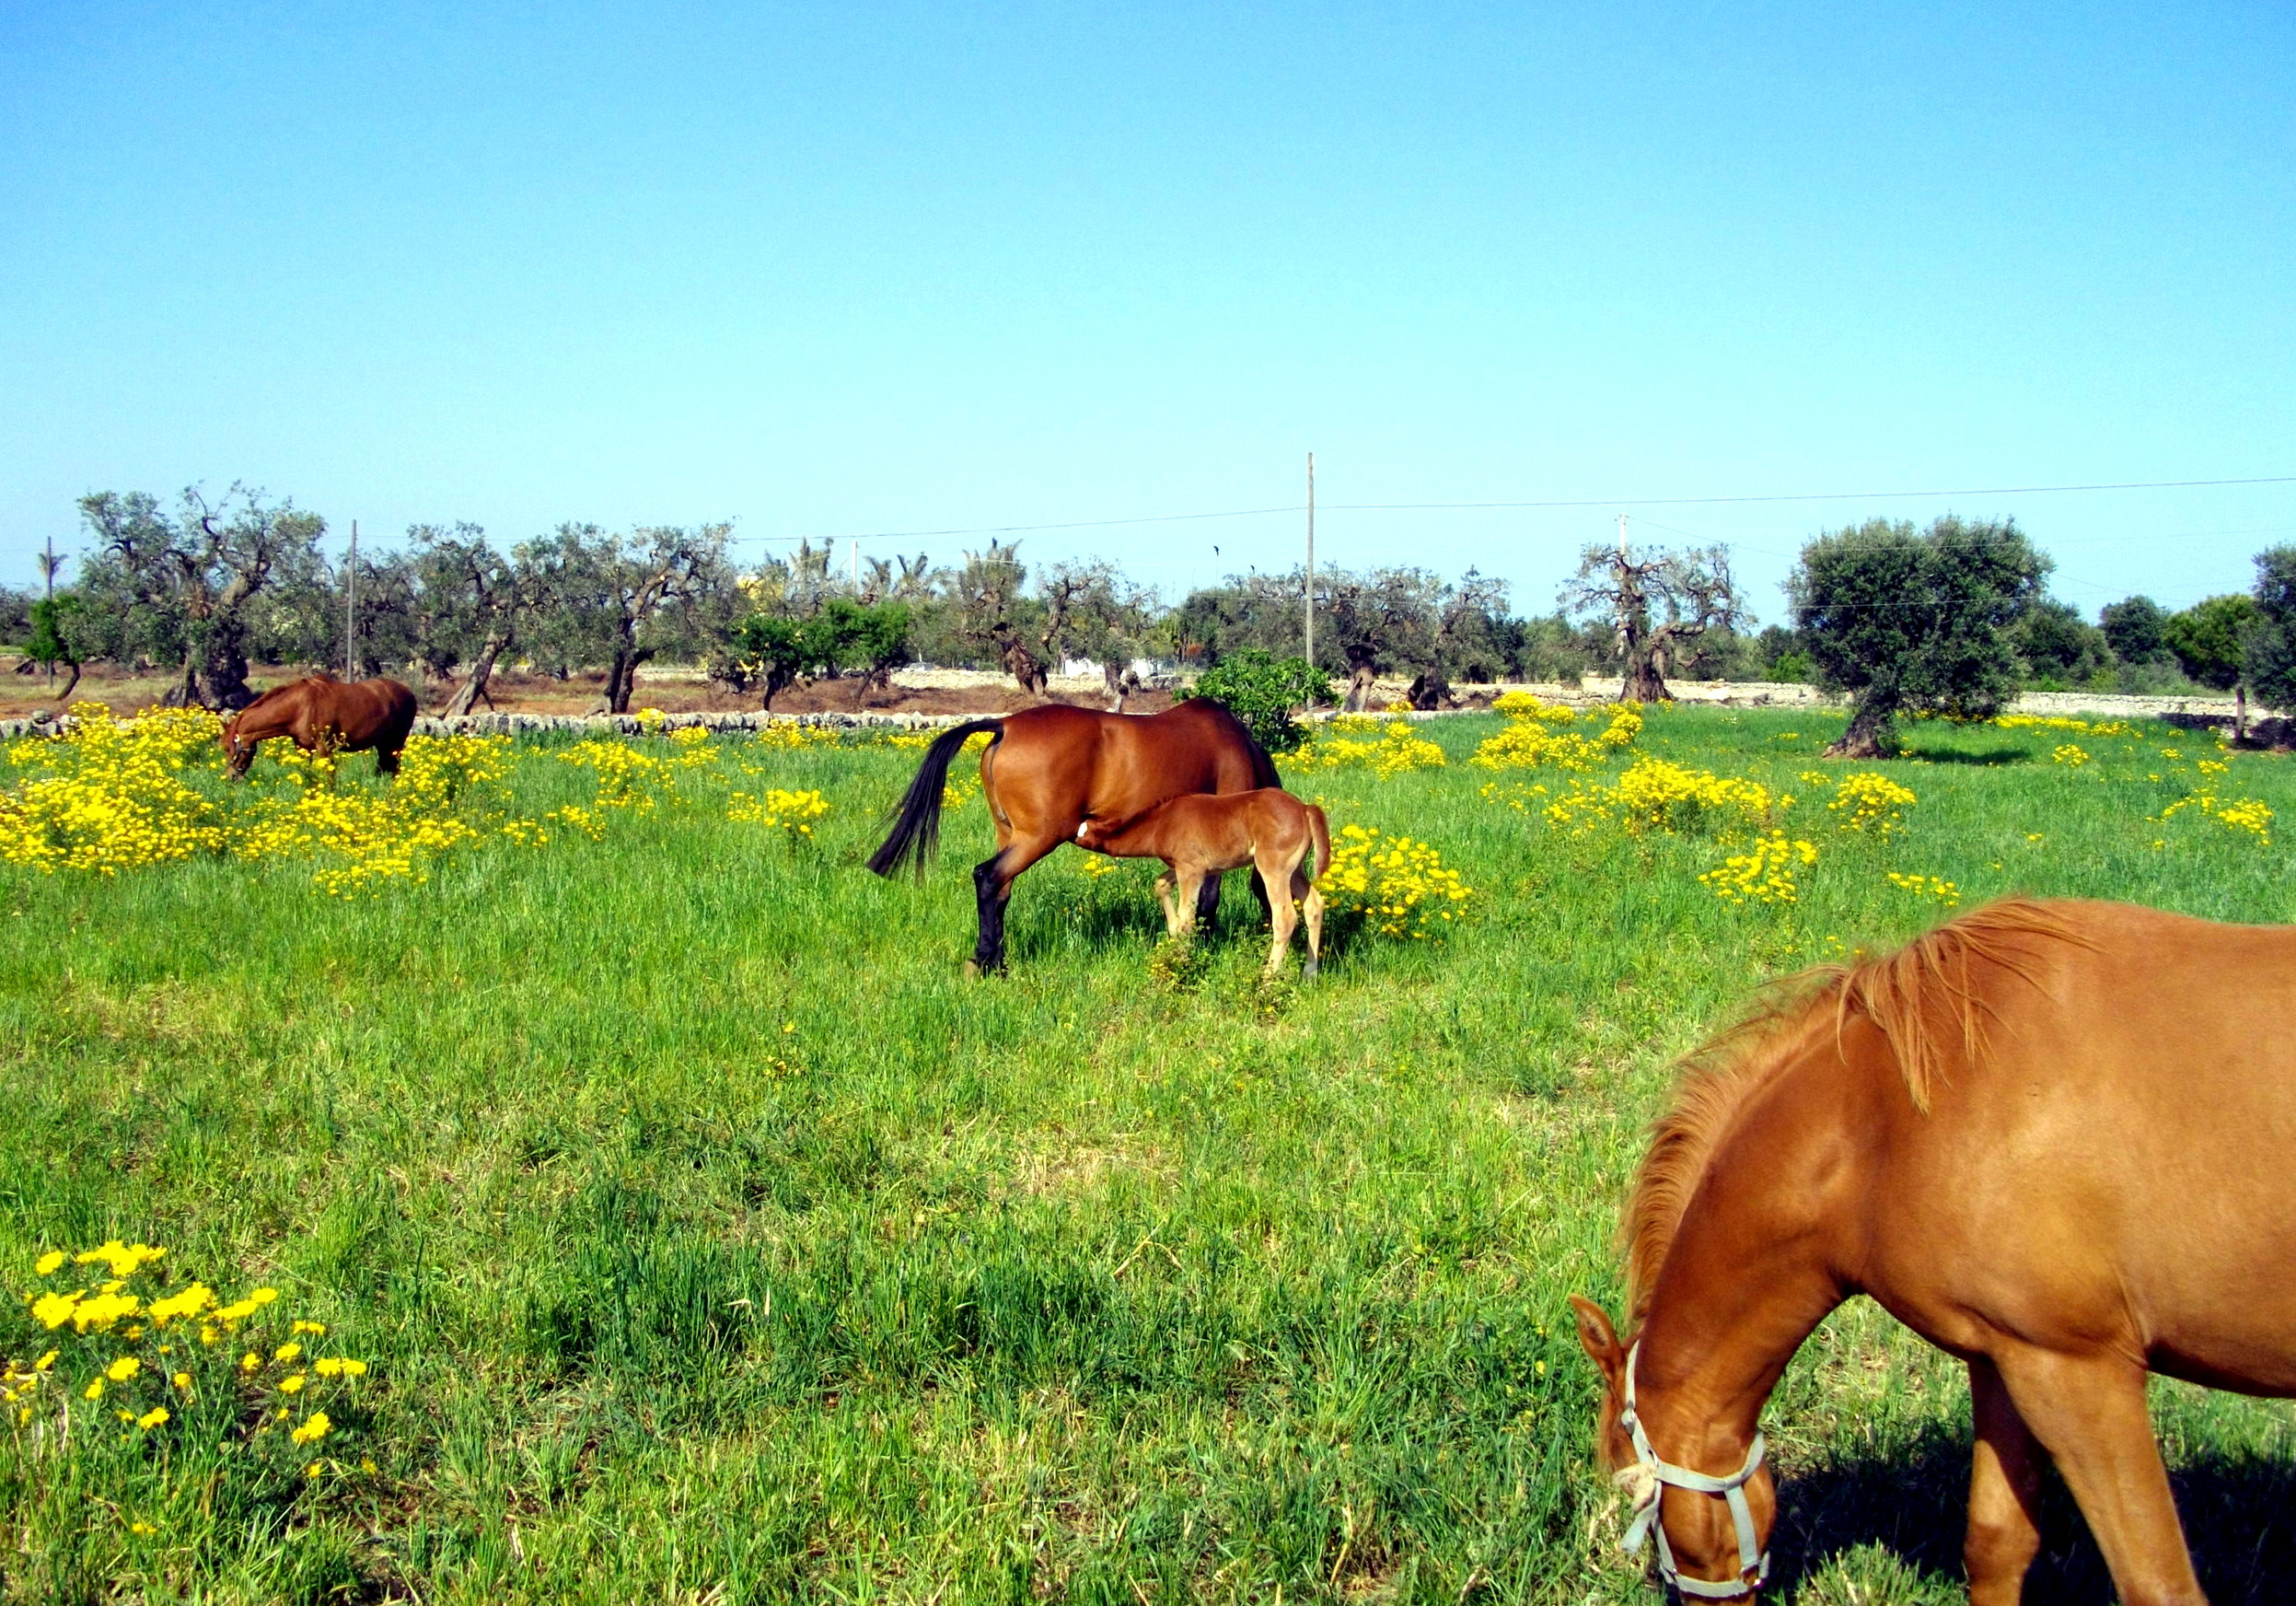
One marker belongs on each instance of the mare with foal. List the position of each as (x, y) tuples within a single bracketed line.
[(1202, 835), (1049, 769)]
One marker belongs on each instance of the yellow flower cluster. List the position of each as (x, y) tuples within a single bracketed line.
[(1871, 803), (108, 795), (138, 1347), (1764, 875), (2251, 814), (1655, 793), (1398, 885), (789, 736), (790, 812), (1942, 891), (628, 777), (2069, 754), (1397, 748), (2103, 728), (1535, 736), (398, 833), (112, 797)]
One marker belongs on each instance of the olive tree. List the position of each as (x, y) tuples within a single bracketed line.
[(182, 589), (1655, 606), (1910, 622)]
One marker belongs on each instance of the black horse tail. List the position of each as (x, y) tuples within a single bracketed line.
[(917, 826)]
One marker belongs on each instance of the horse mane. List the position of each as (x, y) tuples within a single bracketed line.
[(1923, 998)]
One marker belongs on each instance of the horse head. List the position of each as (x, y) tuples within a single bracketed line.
[(1712, 1530), (237, 755)]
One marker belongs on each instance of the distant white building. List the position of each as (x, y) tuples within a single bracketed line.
[(1143, 670)]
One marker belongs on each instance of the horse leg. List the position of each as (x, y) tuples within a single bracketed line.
[(2004, 1494), (387, 760), (1207, 898), (992, 880), (1312, 906), (2089, 1412), (1174, 922), (1191, 880), (1266, 872)]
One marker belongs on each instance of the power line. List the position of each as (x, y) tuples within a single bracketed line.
[(1578, 502), (1025, 529), (1810, 495)]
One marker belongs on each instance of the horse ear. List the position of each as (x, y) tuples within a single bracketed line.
[(1599, 1339)]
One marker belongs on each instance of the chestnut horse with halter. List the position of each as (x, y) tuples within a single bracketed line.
[(2053, 1140), (1049, 769), (320, 713)]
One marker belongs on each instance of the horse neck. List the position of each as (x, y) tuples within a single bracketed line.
[(1137, 838), (270, 714), (1751, 1272)]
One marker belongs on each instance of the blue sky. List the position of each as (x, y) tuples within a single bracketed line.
[(882, 268)]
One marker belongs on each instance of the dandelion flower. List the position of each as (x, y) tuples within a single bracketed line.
[(47, 1263), (313, 1428), (120, 1370), (151, 1418), (287, 1352), (94, 1391), (292, 1385)]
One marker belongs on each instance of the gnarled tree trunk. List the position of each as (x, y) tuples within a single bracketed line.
[(467, 695), (1430, 692), (1872, 726), (1022, 665)]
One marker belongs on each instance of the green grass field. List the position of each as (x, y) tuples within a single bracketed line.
[(712, 1239)]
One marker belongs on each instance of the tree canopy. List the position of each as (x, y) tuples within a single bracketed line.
[(1912, 621)]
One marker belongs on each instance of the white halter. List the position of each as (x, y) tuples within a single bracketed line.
[(1649, 1475)]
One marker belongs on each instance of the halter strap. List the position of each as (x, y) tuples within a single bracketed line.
[(1753, 1561)]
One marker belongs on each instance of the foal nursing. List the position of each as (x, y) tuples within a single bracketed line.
[(1202, 835)]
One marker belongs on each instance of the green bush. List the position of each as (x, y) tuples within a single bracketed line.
[(1262, 690)]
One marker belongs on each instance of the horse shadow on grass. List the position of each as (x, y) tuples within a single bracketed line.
[(2239, 1512)]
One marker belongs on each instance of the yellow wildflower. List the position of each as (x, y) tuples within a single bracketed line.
[(151, 1418)]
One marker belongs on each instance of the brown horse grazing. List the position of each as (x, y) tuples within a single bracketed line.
[(2051, 1138), (1202, 835), (320, 713), (1049, 769)]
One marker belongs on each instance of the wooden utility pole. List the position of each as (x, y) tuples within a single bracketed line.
[(1311, 560), (1623, 585), (48, 568), (351, 608)]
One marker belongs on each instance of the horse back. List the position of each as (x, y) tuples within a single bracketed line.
[(1055, 765), (2113, 1159)]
